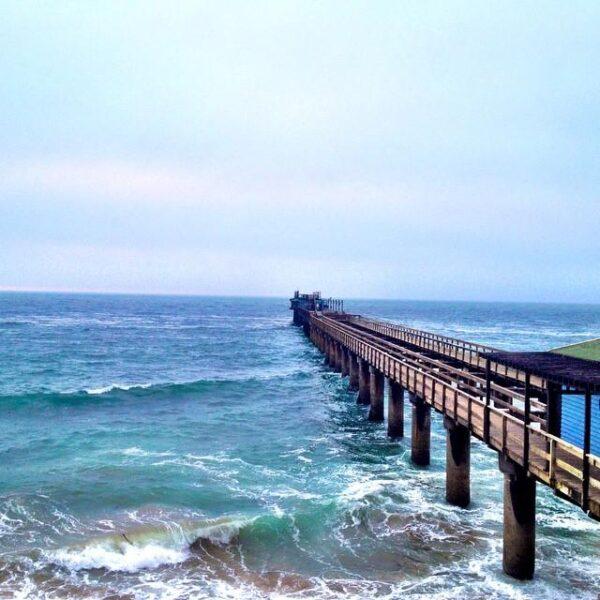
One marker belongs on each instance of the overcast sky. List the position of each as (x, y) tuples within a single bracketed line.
[(434, 150)]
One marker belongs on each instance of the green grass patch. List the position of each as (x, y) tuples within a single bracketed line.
[(589, 350)]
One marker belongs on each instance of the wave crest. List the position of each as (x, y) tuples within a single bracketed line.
[(122, 557), (147, 547), (122, 390)]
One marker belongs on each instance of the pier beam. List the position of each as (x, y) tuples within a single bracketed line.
[(518, 558), (345, 357), (364, 383), (377, 386), (396, 410), (353, 371), (458, 463), (421, 431)]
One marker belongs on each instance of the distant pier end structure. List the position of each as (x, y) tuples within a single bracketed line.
[(305, 304), (516, 403)]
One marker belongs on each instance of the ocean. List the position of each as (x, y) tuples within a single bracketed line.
[(197, 447)]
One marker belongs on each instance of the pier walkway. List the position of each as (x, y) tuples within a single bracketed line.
[(510, 401)]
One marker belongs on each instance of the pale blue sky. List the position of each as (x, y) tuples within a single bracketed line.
[(437, 150)]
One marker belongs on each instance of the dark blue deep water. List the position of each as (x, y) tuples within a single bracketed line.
[(175, 447)]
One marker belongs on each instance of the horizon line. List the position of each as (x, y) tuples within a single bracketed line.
[(9, 290)]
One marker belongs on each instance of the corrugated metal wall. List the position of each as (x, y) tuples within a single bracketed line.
[(572, 421)]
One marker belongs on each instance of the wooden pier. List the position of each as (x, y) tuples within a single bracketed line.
[(510, 401)]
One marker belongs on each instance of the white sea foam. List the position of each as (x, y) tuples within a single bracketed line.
[(124, 557), (287, 492), (137, 451), (359, 490), (147, 547), (116, 386), (7, 525), (571, 522)]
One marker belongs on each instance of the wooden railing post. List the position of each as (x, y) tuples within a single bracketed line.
[(488, 394), (552, 462), (527, 421), (587, 437)]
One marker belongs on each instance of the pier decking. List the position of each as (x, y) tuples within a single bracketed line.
[(510, 401)]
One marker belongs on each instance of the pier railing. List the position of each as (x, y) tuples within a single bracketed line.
[(464, 376), (466, 352)]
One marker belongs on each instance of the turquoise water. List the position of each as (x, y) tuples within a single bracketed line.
[(157, 447)]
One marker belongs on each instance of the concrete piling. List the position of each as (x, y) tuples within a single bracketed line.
[(337, 357), (345, 367), (377, 381), (458, 463), (421, 431), (364, 384), (395, 410), (329, 352), (353, 371), (518, 555)]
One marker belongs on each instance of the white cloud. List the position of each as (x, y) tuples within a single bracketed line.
[(113, 179)]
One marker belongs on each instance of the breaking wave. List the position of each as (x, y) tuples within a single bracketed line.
[(117, 386), (146, 547), (123, 391)]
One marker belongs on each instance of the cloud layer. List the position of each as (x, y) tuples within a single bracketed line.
[(424, 150)]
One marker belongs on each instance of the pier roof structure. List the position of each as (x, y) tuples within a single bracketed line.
[(576, 373)]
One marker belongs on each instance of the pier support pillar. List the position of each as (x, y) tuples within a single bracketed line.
[(353, 371), (345, 357), (329, 352), (332, 354), (518, 558), (364, 383), (396, 410), (458, 463), (337, 357), (421, 431), (377, 383)]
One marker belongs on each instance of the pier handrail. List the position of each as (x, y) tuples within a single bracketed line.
[(430, 335), (466, 352), (501, 394)]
